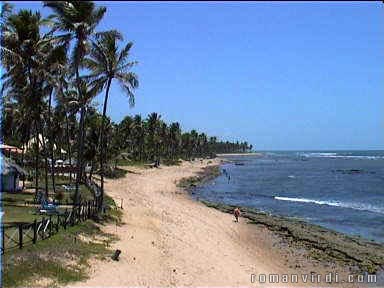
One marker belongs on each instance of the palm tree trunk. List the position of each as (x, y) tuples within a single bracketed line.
[(80, 165), (91, 171), (46, 161), (22, 164), (68, 147), (102, 142), (36, 160), (50, 139), (81, 140)]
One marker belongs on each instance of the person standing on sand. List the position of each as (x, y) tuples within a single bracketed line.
[(237, 213)]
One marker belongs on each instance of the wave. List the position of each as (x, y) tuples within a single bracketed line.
[(355, 206), (336, 155)]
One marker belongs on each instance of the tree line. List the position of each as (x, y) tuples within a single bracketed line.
[(55, 67)]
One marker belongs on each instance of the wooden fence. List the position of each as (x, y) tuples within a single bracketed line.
[(20, 235)]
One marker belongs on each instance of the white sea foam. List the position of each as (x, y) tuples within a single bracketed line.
[(336, 155), (356, 206)]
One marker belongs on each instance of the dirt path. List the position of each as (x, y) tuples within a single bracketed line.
[(169, 239)]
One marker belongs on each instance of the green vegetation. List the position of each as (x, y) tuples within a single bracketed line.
[(16, 210), (64, 257), (61, 259), (54, 69), (208, 173)]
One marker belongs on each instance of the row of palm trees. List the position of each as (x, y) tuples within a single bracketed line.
[(151, 138), (54, 69)]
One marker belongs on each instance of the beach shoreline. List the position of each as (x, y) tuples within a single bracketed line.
[(223, 155), (169, 239)]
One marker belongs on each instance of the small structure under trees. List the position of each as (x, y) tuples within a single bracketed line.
[(10, 175)]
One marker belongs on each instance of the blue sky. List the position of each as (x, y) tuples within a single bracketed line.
[(281, 75)]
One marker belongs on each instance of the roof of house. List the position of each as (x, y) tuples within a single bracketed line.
[(8, 166), (10, 148)]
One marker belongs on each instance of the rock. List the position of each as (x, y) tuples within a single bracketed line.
[(115, 256)]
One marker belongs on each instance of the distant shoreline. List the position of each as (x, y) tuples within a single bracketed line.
[(240, 154)]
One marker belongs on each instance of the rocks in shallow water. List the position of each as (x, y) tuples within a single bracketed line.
[(352, 171)]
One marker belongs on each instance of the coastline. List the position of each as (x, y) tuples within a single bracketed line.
[(169, 239), (321, 244), (239, 154)]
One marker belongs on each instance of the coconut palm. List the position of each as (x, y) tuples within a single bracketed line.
[(107, 63), (138, 134), (25, 63), (175, 138), (78, 20)]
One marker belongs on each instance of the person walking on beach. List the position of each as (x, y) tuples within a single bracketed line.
[(237, 213)]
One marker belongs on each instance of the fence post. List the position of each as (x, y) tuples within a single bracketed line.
[(21, 236), (72, 216), (43, 226), (34, 231), (50, 225), (3, 238), (65, 218), (57, 223)]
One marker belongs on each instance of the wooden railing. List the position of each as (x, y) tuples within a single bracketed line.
[(22, 234)]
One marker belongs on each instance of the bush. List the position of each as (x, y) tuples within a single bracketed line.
[(59, 196), (171, 162), (114, 173)]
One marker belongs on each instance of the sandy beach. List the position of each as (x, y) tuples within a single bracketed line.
[(168, 239)]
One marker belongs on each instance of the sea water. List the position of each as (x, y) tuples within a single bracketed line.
[(340, 190)]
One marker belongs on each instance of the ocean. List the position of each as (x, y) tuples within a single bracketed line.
[(340, 190)]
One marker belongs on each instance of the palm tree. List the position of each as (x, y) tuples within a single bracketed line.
[(78, 19), (25, 59), (153, 125), (107, 63), (138, 134), (175, 138)]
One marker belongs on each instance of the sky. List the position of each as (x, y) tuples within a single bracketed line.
[(280, 75)]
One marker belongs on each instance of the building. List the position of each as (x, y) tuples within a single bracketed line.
[(10, 175)]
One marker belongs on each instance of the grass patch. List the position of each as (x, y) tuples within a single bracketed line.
[(171, 162), (114, 173), (15, 214), (64, 257), (208, 173), (114, 214), (125, 162), (14, 203)]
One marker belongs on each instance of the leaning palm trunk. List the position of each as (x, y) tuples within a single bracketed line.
[(102, 144), (46, 161), (81, 140), (68, 147), (50, 138), (91, 171), (80, 165), (37, 159)]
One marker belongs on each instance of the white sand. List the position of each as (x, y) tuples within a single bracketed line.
[(170, 240)]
